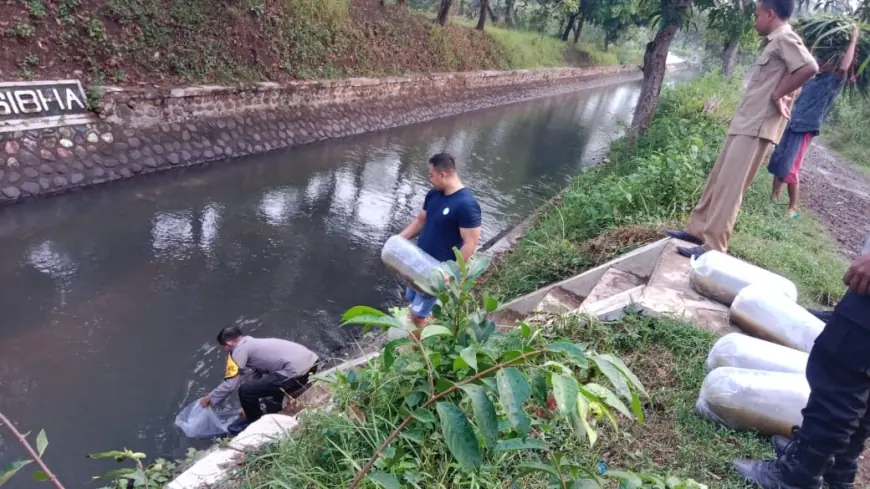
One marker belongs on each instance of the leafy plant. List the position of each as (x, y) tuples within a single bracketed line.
[(480, 392), (43, 475), (152, 476)]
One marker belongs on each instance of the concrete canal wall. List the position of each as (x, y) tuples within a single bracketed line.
[(140, 130)]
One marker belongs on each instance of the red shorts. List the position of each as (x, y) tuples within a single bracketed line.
[(792, 176)]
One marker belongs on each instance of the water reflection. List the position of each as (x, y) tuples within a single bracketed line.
[(114, 295)]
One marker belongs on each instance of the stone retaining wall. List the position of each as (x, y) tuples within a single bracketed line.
[(140, 131)]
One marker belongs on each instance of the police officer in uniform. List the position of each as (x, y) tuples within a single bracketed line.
[(836, 419)]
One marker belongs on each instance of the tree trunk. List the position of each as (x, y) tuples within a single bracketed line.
[(578, 28), (444, 11), (508, 13), (568, 27), (481, 19), (729, 56), (654, 67), (492, 16)]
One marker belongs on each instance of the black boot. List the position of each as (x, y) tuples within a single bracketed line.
[(800, 467), (841, 475)]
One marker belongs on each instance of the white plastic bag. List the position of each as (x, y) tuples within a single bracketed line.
[(721, 277), (204, 422), (741, 351), (743, 399), (771, 316), (407, 260)]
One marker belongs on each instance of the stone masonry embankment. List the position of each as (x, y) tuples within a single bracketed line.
[(140, 131)]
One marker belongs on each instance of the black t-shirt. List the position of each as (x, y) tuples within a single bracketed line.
[(445, 214)]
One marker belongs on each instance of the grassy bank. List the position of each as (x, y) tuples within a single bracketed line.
[(184, 41), (653, 185), (845, 133)]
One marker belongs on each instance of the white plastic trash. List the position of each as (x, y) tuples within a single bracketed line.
[(741, 351), (771, 316), (767, 402), (204, 422), (408, 261), (721, 277)]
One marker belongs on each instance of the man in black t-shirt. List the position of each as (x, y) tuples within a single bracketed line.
[(450, 218)]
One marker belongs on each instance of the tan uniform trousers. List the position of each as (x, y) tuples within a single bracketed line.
[(714, 217)]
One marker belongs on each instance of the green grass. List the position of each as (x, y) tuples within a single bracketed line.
[(654, 184), (845, 132)]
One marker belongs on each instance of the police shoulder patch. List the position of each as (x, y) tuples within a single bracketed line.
[(232, 368)]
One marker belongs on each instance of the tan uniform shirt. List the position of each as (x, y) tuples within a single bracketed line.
[(783, 53)]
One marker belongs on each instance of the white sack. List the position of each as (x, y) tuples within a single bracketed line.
[(741, 351), (406, 259), (721, 277), (768, 315)]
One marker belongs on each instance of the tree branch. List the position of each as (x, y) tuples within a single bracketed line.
[(36, 457), (404, 424)]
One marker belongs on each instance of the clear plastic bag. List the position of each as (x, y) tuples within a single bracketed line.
[(721, 277), (743, 399), (741, 351), (768, 315), (204, 422), (406, 259)]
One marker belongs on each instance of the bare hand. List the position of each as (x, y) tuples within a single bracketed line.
[(856, 31), (205, 401), (782, 106), (857, 278)]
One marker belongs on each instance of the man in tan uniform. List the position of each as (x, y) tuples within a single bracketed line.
[(783, 66)]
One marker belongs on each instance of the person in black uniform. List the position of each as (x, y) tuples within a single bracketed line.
[(836, 419)]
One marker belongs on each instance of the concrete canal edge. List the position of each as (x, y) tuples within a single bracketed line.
[(140, 130)]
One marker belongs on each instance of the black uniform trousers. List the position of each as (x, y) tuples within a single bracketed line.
[(271, 387), (836, 420)]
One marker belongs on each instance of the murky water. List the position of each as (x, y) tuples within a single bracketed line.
[(112, 297)]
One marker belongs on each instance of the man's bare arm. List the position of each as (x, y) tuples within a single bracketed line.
[(793, 81), (849, 55), (413, 229), (470, 238)]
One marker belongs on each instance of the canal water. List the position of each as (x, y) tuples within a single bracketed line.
[(112, 297)]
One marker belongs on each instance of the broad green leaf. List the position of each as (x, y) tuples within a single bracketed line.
[(484, 413), (585, 484), (434, 330), (627, 479), (614, 375), (382, 321), (476, 266), (435, 358), (513, 390), (415, 436), (491, 384), (571, 350), (361, 311), (525, 330), (539, 387), (483, 331), (528, 467), (424, 415), (389, 354), (41, 442), (489, 303), (41, 476), (469, 354), (565, 390), (459, 435), (561, 367), (459, 364), (116, 474), (636, 406), (442, 384), (11, 469), (519, 444), (111, 454), (635, 382), (609, 398), (583, 417), (384, 479)]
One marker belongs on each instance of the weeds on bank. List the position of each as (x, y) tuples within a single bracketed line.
[(655, 183), (844, 131)]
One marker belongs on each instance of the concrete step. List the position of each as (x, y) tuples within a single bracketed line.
[(613, 307), (559, 301), (669, 292), (613, 282)]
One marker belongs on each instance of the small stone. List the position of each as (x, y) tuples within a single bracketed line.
[(123, 159), (2, 172), (186, 156), (66, 143), (64, 153), (208, 153), (30, 172), (110, 162), (93, 138), (150, 162), (76, 178), (125, 172), (174, 158), (98, 172), (65, 132), (158, 149), (46, 155), (107, 137), (11, 192), (92, 148), (168, 146), (76, 165), (136, 168), (12, 147), (135, 154), (119, 146), (44, 183), (88, 163), (31, 188), (12, 163), (61, 169), (80, 152), (185, 136), (29, 144), (134, 142), (46, 168), (60, 181)]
